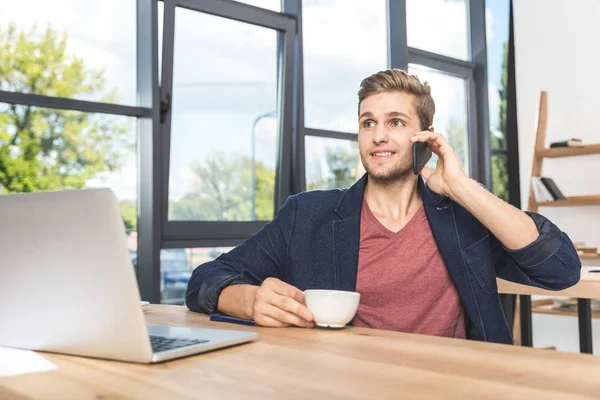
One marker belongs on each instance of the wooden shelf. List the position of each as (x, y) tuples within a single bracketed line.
[(569, 151), (593, 200), (589, 257)]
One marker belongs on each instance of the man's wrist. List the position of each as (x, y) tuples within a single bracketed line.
[(249, 297), (238, 300), (457, 188)]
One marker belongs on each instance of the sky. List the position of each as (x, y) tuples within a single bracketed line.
[(225, 71)]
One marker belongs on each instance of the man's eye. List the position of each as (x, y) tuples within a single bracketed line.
[(397, 123), (368, 124)]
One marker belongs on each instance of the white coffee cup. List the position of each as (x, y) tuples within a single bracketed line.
[(332, 308)]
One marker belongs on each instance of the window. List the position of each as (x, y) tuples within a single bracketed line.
[(69, 50), (46, 149), (450, 96), (224, 125), (222, 158), (176, 267), (331, 163), (343, 44), (497, 21), (439, 26)]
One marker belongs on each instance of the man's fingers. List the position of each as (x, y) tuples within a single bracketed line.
[(283, 316), (437, 142), (288, 290), (292, 306), (281, 302), (263, 320)]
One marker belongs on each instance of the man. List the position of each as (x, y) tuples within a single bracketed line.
[(423, 255)]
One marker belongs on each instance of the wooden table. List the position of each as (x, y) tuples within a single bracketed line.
[(294, 363), (587, 288)]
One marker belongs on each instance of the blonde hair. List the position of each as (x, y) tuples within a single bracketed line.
[(397, 80)]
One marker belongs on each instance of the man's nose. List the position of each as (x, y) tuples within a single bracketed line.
[(380, 135)]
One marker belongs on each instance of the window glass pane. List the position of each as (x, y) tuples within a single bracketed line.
[(224, 128), (161, 20), (343, 44), (331, 163), (44, 149), (500, 176), (497, 25), (274, 5), (176, 266), (439, 26), (449, 93), (69, 48)]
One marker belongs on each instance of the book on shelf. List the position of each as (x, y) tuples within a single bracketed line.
[(567, 143), (552, 188), (540, 191)]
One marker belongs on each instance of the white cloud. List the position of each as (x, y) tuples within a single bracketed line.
[(342, 45), (449, 93), (439, 26), (489, 25), (181, 183), (123, 182)]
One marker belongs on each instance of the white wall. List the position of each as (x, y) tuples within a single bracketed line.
[(557, 49)]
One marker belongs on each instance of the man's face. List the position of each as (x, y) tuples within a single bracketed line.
[(386, 121)]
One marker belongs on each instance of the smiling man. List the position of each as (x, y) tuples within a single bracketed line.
[(424, 251)]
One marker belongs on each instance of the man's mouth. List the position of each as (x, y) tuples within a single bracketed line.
[(383, 154)]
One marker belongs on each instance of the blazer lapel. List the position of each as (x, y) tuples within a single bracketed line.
[(346, 236), (346, 239), (440, 216)]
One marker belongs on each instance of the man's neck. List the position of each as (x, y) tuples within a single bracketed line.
[(396, 200)]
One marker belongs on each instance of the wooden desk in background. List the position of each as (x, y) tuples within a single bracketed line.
[(586, 289), (315, 363)]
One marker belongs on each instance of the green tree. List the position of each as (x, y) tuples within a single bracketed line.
[(222, 191), (342, 168), (47, 149), (128, 210), (342, 162)]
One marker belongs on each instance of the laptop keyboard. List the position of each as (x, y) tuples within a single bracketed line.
[(164, 343)]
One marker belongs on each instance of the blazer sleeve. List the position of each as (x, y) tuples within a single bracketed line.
[(550, 262), (261, 256)]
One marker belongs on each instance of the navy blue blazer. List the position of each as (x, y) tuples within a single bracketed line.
[(313, 243)]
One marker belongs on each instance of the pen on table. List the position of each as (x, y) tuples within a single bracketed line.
[(226, 318)]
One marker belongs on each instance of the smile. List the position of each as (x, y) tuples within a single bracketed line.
[(387, 153)]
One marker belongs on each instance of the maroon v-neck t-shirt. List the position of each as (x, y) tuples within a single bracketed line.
[(403, 281)]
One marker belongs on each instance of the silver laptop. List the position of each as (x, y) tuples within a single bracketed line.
[(67, 283)]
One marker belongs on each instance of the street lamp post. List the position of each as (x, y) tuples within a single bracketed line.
[(254, 124)]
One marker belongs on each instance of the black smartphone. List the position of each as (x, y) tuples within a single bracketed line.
[(421, 153)]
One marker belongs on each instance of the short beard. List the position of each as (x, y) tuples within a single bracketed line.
[(398, 176)]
